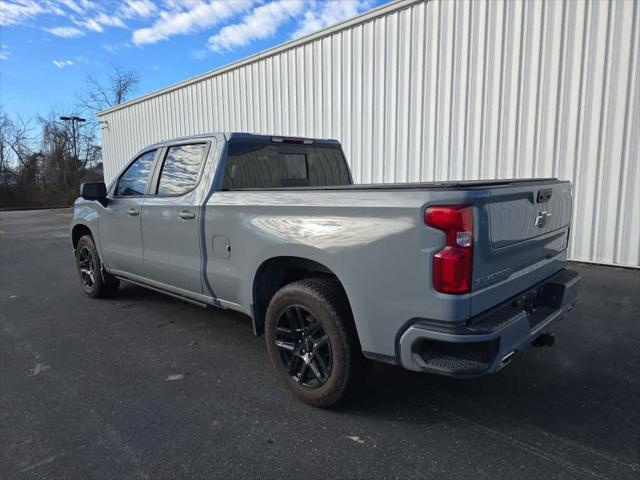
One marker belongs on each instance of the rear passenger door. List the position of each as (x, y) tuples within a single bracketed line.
[(171, 219)]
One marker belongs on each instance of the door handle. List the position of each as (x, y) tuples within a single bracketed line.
[(186, 215), (133, 212)]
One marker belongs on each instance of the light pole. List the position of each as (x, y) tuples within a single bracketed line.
[(74, 120)]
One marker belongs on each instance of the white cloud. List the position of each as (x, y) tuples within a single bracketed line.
[(87, 14), (90, 24), (138, 8), (188, 17), (73, 6), (262, 22), (97, 23), (12, 13), (199, 54), (249, 20), (115, 47), (15, 12), (65, 32), (4, 52), (323, 14), (109, 21), (62, 63)]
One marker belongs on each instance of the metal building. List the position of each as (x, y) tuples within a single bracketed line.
[(421, 90)]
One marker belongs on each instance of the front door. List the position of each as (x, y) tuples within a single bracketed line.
[(120, 233), (171, 221)]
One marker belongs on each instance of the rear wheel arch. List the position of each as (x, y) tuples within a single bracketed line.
[(275, 273), (79, 231), (312, 342)]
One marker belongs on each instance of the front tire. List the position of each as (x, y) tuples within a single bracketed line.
[(312, 341), (90, 270)]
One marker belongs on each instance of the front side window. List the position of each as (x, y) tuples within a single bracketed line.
[(181, 168), (134, 180)]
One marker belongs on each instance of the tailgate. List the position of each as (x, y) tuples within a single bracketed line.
[(523, 213), (522, 236)]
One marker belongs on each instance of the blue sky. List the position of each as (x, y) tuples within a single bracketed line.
[(49, 46)]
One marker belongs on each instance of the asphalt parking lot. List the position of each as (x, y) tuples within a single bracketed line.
[(145, 386)]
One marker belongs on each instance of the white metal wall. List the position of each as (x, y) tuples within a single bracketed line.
[(439, 90)]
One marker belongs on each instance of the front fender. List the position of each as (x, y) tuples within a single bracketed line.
[(86, 213)]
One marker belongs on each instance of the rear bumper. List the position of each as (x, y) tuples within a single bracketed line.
[(488, 341)]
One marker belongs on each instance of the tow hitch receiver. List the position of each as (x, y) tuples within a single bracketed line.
[(544, 340)]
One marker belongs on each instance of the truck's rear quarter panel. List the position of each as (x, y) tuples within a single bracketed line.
[(375, 242)]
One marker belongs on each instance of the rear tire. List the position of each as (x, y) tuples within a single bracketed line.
[(90, 270), (312, 341)]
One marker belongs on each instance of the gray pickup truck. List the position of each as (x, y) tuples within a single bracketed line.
[(450, 278)]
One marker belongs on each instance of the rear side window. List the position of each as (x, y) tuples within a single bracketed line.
[(134, 180), (181, 169), (251, 165)]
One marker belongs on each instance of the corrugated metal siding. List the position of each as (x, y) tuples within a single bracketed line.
[(441, 90)]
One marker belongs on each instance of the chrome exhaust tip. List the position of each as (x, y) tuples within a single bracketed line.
[(506, 360)]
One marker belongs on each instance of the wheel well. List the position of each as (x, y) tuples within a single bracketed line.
[(78, 232), (277, 272)]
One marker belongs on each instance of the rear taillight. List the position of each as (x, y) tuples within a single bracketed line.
[(453, 264)]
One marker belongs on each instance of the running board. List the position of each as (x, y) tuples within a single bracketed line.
[(161, 290)]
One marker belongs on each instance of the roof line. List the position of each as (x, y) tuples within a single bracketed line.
[(354, 21), (235, 133)]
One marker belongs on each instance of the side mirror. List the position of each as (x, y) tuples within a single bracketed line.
[(93, 191)]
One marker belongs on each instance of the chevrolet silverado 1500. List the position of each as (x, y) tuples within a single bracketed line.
[(450, 278)]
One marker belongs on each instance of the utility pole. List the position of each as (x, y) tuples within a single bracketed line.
[(74, 121)]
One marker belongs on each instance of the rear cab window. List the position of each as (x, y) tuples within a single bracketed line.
[(262, 165), (181, 169), (133, 182)]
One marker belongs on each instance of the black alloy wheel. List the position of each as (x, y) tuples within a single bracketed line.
[(87, 267), (94, 281), (304, 346)]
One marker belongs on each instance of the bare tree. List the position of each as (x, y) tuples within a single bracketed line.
[(45, 167), (16, 139), (56, 142), (89, 150), (120, 85), (5, 125), (69, 157)]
